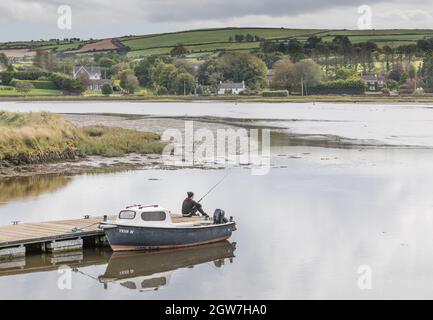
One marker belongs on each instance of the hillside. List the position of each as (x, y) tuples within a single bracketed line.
[(199, 42)]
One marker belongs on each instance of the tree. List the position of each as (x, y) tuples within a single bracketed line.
[(425, 45), (117, 69), (145, 70), (44, 59), (427, 72), (270, 58), (311, 73), (24, 87), (411, 71), (183, 65), (313, 42), (209, 73), (4, 59), (238, 67), (84, 79), (65, 66), (178, 50), (249, 37), (295, 49), (106, 62), (396, 72), (287, 75), (128, 81), (239, 37), (345, 73), (164, 75), (185, 83)]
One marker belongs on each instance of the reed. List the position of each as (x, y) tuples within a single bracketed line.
[(36, 133)]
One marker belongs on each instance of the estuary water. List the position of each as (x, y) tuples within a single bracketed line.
[(353, 221)]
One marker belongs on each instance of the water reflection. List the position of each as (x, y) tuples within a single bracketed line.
[(152, 270), (142, 271), (30, 187), (50, 262)]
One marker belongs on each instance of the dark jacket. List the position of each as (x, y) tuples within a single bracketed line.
[(189, 205)]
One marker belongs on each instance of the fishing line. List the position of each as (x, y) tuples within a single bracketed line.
[(219, 182)]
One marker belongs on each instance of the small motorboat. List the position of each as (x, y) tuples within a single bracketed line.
[(141, 227)]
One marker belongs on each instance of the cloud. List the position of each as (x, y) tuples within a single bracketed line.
[(104, 18), (157, 11)]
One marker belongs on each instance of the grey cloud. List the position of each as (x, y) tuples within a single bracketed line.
[(99, 18), (157, 11)]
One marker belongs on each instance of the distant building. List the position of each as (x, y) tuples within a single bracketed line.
[(231, 87), (97, 76), (374, 82)]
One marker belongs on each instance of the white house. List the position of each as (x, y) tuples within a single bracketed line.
[(97, 76), (374, 82), (231, 87)]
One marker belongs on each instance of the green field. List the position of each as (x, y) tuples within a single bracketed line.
[(11, 91), (212, 40), (216, 39)]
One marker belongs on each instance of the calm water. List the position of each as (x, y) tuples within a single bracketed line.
[(388, 124), (303, 229)]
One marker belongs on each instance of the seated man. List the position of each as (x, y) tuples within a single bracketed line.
[(190, 207)]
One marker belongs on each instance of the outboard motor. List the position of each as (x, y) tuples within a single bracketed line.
[(219, 217)]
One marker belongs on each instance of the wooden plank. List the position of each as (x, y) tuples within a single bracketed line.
[(48, 231)]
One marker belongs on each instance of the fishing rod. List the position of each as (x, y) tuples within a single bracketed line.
[(219, 182)]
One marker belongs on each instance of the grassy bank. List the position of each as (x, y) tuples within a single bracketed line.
[(32, 135), (240, 99)]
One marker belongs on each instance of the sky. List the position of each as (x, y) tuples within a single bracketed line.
[(29, 19)]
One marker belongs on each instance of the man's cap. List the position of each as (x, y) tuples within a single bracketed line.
[(190, 194)]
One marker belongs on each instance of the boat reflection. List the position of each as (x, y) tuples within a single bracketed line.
[(151, 270)]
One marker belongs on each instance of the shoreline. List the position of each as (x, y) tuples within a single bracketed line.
[(94, 164), (237, 99)]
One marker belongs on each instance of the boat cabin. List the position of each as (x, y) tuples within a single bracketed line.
[(155, 216)]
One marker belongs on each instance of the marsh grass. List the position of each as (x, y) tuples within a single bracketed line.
[(33, 133), (114, 142), (42, 132)]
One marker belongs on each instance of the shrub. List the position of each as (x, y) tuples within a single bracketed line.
[(248, 92), (162, 91), (68, 84), (37, 84), (107, 89), (30, 75), (6, 77), (275, 93), (351, 86), (24, 87)]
